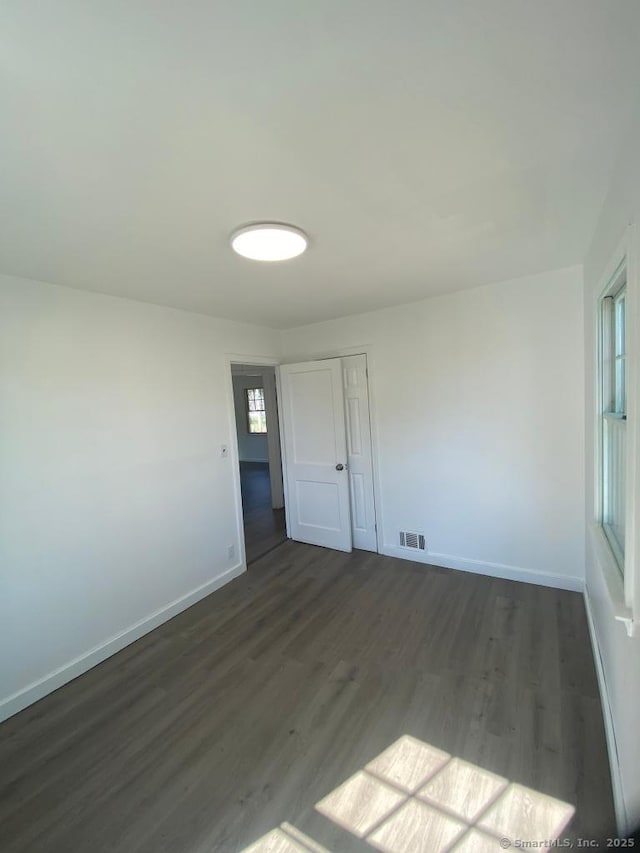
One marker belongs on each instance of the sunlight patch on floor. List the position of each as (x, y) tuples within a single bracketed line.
[(361, 803), (407, 763), (286, 839), (414, 797), (275, 841)]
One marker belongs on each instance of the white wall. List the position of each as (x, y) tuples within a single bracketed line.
[(251, 447), (620, 654), (478, 408), (116, 508)]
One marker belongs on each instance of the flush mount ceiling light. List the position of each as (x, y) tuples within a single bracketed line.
[(269, 241)]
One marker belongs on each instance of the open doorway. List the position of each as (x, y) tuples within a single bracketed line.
[(259, 455)]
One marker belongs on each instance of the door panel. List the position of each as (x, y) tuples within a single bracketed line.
[(354, 426), (358, 503), (318, 504), (311, 413), (356, 395), (318, 509)]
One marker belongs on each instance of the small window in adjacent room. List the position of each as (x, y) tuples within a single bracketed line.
[(256, 417), (613, 379)]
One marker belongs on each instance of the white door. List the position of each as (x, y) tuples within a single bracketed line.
[(312, 407), (359, 454)]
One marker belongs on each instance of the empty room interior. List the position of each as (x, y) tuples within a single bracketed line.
[(319, 426)]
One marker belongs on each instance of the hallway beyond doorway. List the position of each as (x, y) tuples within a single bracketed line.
[(264, 527)]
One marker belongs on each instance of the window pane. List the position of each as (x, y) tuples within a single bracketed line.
[(620, 324), (620, 353), (256, 418), (614, 482), (255, 399), (257, 422), (621, 386)]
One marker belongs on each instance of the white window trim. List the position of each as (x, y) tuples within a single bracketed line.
[(608, 377), (623, 592)]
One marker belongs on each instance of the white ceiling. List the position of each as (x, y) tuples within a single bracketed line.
[(425, 145)]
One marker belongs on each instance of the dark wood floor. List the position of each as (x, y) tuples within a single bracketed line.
[(264, 527), (247, 709)]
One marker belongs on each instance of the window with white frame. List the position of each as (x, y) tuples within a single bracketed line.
[(256, 414), (613, 421)]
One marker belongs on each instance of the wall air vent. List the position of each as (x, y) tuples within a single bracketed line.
[(412, 540)]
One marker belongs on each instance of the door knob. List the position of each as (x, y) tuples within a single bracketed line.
[(339, 467)]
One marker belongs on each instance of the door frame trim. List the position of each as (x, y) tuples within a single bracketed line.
[(343, 352)]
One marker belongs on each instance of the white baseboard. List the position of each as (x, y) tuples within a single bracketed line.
[(494, 570), (612, 747), (36, 690)]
